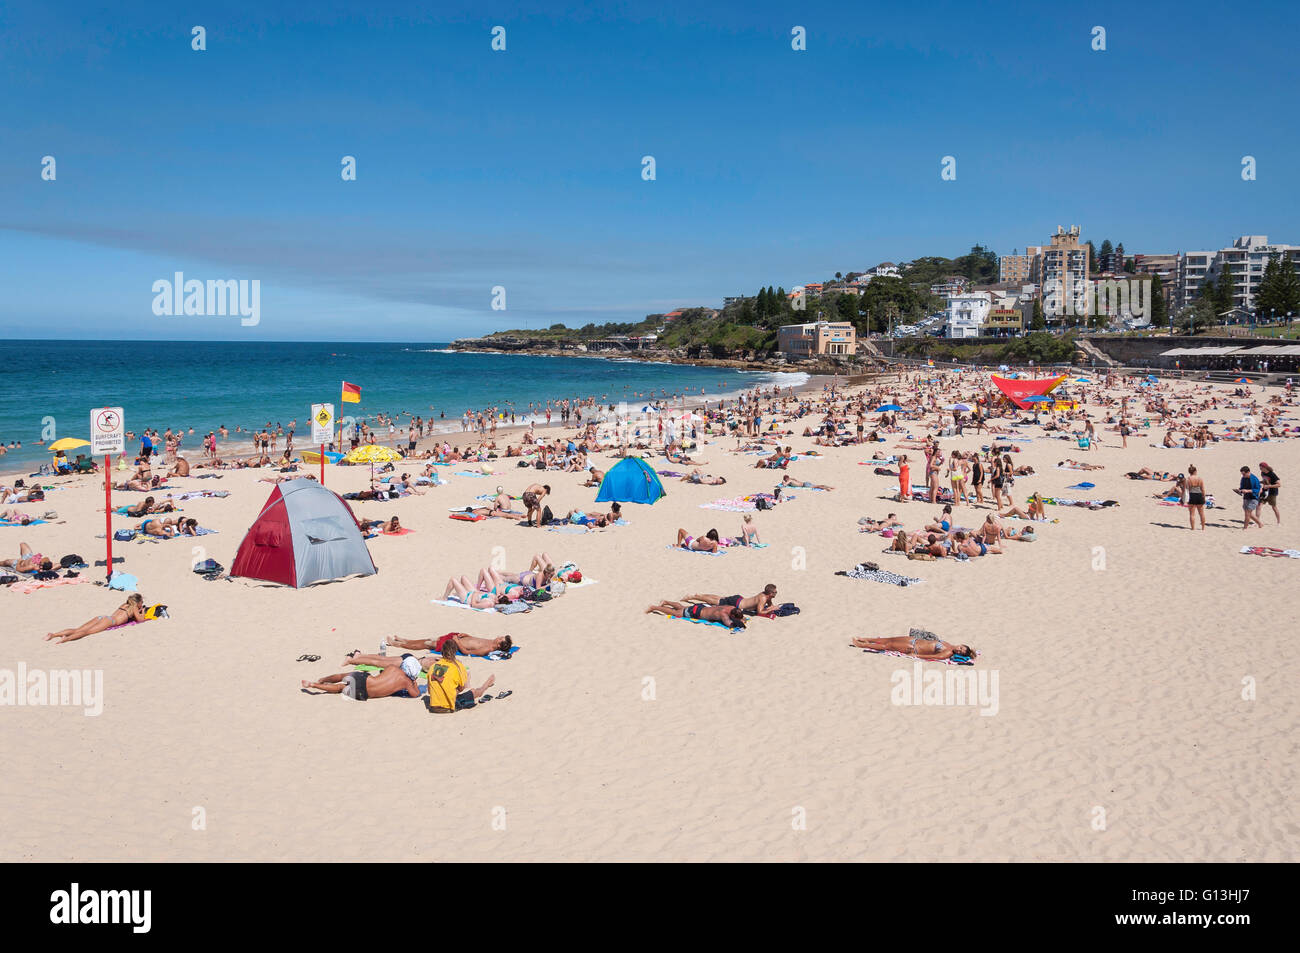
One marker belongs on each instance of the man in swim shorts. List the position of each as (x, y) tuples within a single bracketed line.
[(727, 615), (397, 678), (754, 605)]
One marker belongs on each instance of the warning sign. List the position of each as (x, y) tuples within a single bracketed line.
[(107, 431), (322, 423)]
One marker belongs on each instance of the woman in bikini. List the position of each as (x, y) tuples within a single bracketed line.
[(492, 581), (921, 644), (131, 610), (1195, 497), (154, 526), (977, 477), (708, 543), (460, 590)]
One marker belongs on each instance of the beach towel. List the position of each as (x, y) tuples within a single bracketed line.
[(401, 532), (469, 473), (28, 585), (459, 605), (879, 575), (1082, 486), (20, 523), (1269, 551), (696, 552), (568, 529), (720, 625)]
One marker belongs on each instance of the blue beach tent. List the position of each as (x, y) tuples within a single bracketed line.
[(631, 480)]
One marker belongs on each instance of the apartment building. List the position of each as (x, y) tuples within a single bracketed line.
[(1060, 269), (1243, 263), (1014, 268), (817, 337)]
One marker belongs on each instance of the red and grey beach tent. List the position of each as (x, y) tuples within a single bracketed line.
[(305, 533)]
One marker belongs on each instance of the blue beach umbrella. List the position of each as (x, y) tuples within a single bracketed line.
[(884, 407)]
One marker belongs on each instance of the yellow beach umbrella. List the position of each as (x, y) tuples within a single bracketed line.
[(372, 453), (67, 443)]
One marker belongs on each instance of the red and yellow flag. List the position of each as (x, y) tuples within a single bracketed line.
[(351, 393)]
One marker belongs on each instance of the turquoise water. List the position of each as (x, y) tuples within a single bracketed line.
[(51, 386)]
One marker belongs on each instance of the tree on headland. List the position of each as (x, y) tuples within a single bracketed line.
[(1159, 308)]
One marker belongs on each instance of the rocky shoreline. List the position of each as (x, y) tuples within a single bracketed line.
[(746, 362)]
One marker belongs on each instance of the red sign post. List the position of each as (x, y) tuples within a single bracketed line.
[(107, 436)]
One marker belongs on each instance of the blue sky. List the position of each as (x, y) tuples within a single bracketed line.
[(523, 168)]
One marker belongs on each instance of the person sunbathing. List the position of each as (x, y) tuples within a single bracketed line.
[(465, 644), (143, 508), (748, 531), (1076, 465), (868, 525), (181, 468), (1037, 511), (753, 605), (154, 526), (705, 479), (397, 678), (462, 591), (708, 543), (921, 644), (28, 561), (594, 477), (727, 615), (788, 480), (942, 522), (491, 580), (187, 527), (969, 545), (133, 610), (1146, 473)]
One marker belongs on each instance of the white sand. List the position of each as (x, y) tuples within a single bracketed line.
[(1120, 690)]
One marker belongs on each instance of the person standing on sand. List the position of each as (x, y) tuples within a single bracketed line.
[(1249, 493), (532, 500), (1271, 483), (1195, 497), (904, 480)]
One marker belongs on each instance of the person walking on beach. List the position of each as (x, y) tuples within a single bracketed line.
[(1249, 493), (904, 480), (1195, 497), (1272, 482)]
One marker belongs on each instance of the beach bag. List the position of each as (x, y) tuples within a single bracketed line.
[(556, 588), (513, 607), (547, 515), (787, 608), (124, 535), (156, 612), (541, 595), (762, 504), (72, 559), (8, 580)]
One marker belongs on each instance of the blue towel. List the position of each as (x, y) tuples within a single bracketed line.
[(32, 523), (1082, 486)]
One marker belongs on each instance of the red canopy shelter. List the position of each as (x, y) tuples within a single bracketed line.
[(1017, 390)]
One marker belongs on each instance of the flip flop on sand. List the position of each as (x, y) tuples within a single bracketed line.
[(308, 658)]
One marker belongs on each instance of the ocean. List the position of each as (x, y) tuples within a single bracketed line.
[(48, 388)]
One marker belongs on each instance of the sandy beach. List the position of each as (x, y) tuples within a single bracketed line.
[(1141, 711)]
